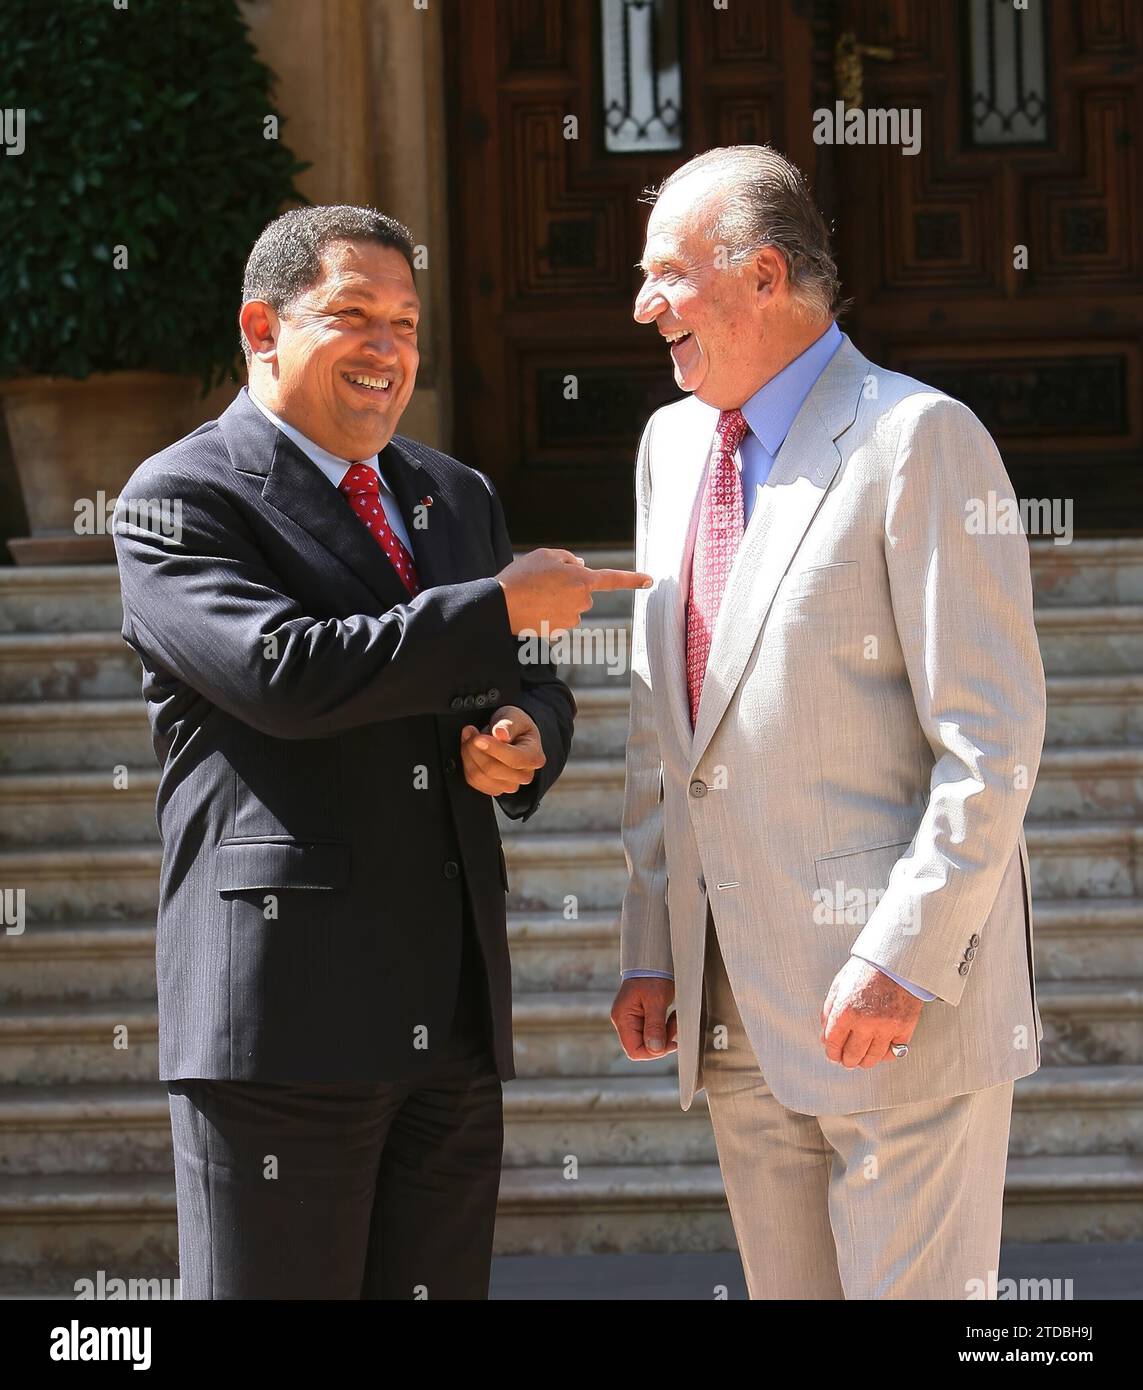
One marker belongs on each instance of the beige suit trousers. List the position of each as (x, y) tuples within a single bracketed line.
[(903, 1202)]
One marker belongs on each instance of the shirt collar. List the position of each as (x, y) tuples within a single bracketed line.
[(333, 467), (772, 409)]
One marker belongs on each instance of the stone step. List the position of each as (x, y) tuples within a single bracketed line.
[(51, 665), (682, 1207), (117, 804), (109, 1221), (97, 734), (552, 953), (49, 1042), (84, 882), (1100, 709), (81, 960), (565, 1033), (1090, 640), (580, 871), (1087, 938), (1091, 1021), (116, 959), (1088, 783), (1076, 939), (1084, 1197), (118, 1221), (90, 1128), (46, 1042), (67, 666), (1084, 572), (1082, 711), (85, 598), (1085, 859), (60, 598), (113, 806), (1092, 1109), (74, 735), (1073, 641)]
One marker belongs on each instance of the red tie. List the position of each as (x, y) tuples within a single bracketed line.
[(716, 544), (363, 488)]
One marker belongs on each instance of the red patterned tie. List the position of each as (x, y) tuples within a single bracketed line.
[(716, 544), (363, 488)]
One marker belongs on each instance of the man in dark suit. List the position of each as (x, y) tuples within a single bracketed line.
[(329, 639)]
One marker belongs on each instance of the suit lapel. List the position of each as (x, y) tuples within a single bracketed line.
[(297, 488), (805, 467), (434, 548)]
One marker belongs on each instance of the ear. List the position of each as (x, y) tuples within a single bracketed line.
[(260, 326), (770, 275)]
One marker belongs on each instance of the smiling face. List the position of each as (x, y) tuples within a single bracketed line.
[(340, 362), (712, 314)]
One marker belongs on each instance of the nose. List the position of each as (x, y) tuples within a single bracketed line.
[(381, 344), (649, 303)]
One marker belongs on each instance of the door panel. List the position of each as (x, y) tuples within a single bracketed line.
[(1044, 343)]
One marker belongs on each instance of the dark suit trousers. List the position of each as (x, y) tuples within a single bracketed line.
[(345, 1190)]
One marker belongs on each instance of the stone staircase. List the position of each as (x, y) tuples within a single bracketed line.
[(598, 1155)]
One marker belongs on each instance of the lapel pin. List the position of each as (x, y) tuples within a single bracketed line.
[(426, 501)]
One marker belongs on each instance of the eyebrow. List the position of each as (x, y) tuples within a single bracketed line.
[(358, 292)]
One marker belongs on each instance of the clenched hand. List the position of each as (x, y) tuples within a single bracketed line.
[(864, 1014), (505, 758)]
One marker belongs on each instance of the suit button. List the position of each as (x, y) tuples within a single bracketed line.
[(974, 940), (470, 702), (962, 968), (481, 701), (698, 788), (970, 954), (457, 702), (450, 764), (701, 884), (494, 694), (451, 869)]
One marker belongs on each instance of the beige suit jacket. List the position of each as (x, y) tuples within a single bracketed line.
[(868, 738)]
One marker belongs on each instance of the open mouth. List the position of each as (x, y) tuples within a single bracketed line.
[(375, 386), (672, 339)]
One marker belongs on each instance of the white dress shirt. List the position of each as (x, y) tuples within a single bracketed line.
[(335, 469)]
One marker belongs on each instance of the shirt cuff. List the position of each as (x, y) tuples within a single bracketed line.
[(646, 975), (921, 993)]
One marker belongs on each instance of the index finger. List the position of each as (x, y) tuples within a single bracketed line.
[(618, 579)]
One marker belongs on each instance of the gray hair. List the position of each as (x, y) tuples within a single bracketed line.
[(285, 261), (768, 203)]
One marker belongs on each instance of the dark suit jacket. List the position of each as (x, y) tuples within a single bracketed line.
[(319, 838)]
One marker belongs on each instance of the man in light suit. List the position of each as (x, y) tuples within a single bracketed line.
[(836, 721), (329, 641)]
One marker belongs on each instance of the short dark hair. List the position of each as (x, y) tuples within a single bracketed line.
[(285, 261)]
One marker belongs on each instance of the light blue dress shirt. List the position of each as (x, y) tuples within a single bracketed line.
[(335, 469), (769, 413)]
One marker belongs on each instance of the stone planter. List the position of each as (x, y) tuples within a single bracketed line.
[(75, 444)]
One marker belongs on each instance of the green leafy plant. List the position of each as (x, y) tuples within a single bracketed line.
[(145, 178)]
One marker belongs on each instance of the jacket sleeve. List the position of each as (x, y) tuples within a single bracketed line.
[(645, 932), (542, 695), (208, 609), (962, 605)]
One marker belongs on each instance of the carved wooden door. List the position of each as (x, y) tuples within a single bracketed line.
[(1004, 261), (1001, 261), (552, 102)]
